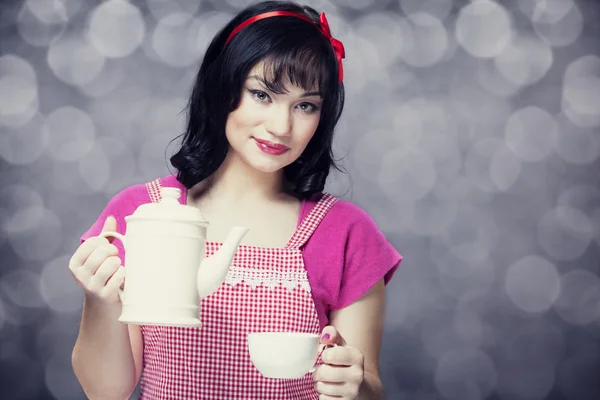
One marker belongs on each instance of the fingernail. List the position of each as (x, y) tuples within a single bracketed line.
[(325, 336)]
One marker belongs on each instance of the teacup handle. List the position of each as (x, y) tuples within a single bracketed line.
[(322, 346), (116, 235)]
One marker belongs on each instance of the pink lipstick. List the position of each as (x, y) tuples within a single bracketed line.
[(271, 148)]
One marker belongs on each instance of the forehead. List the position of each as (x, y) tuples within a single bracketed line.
[(261, 70), (281, 79)]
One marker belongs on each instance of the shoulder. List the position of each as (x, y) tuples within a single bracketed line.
[(344, 221), (134, 195), (350, 210), (354, 250), (124, 203), (130, 196), (350, 226), (344, 213)]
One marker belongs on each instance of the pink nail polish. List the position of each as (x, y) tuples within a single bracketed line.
[(325, 336)]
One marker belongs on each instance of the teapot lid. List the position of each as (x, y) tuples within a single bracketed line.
[(169, 208)]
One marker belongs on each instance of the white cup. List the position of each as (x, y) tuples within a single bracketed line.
[(284, 355)]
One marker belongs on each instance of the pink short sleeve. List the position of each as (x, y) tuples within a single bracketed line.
[(368, 257), (345, 257), (120, 206)]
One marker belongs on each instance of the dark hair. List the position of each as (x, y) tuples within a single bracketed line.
[(292, 49)]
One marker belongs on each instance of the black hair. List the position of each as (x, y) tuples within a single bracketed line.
[(293, 50)]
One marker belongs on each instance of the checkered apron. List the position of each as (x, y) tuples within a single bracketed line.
[(266, 290)]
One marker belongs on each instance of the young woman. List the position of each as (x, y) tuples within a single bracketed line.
[(256, 152)]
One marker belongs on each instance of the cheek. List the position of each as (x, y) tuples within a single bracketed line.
[(308, 129), (246, 115)]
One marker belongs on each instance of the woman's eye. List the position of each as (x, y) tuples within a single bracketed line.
[(259, 95), (308, 108)]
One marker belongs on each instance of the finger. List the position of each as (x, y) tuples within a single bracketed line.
[(330, 335), (110, 225), (116, 280), (83, 252), (334, 390), (104, 272), (329, 373), (342, 356), (95, 260)]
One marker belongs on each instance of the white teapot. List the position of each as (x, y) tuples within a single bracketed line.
[(166, 272)]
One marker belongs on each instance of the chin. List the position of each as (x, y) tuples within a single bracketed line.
[(268, 164), (268, 167)]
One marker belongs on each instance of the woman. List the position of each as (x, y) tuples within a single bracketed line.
[(256, 152)]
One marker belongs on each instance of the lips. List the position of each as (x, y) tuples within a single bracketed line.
[(274, 146), (268, 147)]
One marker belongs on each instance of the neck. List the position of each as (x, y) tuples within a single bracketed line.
[(237, 180)]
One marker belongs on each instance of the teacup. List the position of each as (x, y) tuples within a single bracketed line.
[(284, 355)]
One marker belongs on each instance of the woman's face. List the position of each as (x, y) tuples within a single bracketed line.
[(270, 131)]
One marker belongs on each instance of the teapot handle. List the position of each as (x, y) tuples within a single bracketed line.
[(116, 235)]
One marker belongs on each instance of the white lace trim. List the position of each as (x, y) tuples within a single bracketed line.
[(268, 278)]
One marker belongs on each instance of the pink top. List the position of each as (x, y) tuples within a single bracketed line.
[(345, 256)]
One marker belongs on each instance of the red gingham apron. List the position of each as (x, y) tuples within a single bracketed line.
[(266, 290)]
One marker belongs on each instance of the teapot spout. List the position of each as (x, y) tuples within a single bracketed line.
[(213, 270)]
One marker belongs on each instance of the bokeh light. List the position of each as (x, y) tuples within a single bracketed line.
[(533, 284), (526, 61), (427, 42), (437, 8), (72, 133), (74, 60), (465, 373), (41, 22), (559, 22), (25, 144), (579, 302), (531, 133), (565, 233), (174, 40), (19, 91), (116, 28), (483, 28)]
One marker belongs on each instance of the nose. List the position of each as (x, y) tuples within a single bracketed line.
[(279, 122)]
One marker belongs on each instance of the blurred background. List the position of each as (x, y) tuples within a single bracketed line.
[(471, 134)]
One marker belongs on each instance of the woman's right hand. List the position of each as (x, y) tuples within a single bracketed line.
[(97, 267)]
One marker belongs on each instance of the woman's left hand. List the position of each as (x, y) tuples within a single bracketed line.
[(342, 372)]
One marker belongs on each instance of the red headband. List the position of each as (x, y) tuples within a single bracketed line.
[(323, 26)]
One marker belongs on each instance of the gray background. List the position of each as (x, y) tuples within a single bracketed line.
[(470, 135)]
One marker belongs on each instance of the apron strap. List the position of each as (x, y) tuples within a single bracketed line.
[(311, 221), (300, 236), (154, 190)]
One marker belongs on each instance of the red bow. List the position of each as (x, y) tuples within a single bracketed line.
[(338, 47)]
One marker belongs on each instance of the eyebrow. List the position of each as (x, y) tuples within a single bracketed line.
[(307, 94)]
